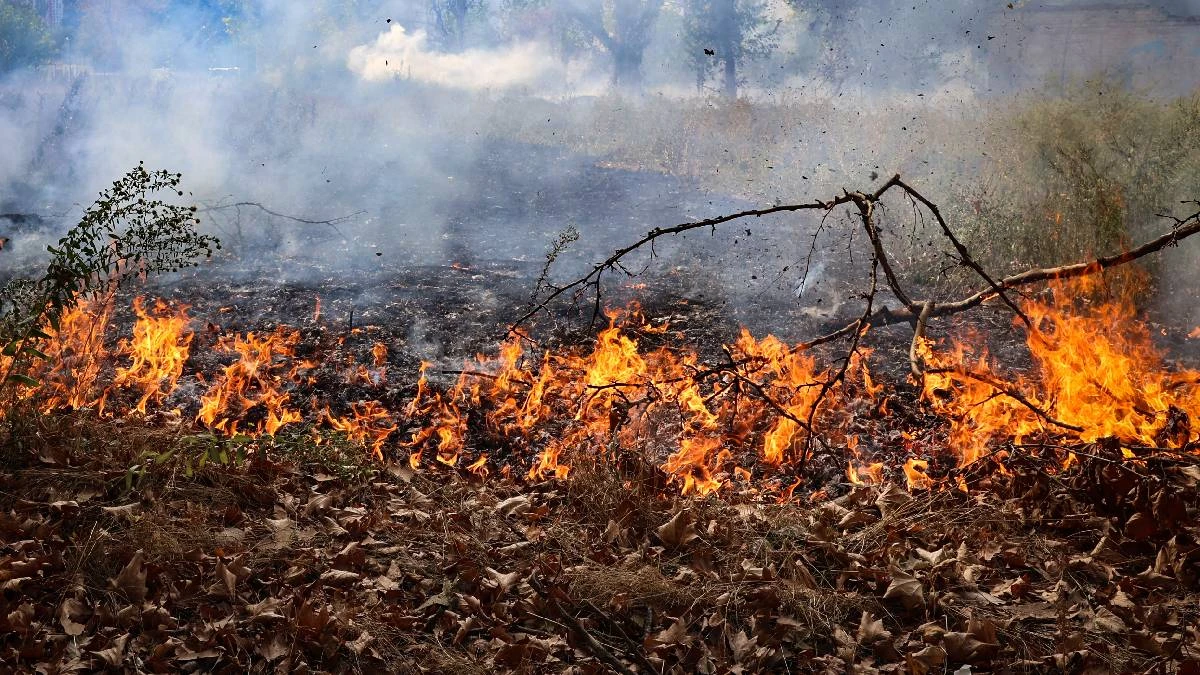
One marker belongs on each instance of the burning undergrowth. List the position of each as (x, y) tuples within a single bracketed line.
[(754, 417), (523, 511), (294, 477)]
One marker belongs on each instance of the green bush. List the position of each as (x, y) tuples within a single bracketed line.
[(1078, 175), (129, 232)]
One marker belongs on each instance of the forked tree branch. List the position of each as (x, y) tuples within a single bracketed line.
[(916, 312)]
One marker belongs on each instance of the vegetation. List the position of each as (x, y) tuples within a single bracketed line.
[(24, 38), (129, 232), (1081, 172)]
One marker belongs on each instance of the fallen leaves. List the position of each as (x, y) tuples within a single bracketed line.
[(402, 571)]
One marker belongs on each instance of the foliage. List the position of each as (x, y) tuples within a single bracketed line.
[(724, 34), (129, 232), (24, 38), (1080, 173), (451, 19)]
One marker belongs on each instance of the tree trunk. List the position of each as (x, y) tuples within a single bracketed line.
[(730, 77), (731, 41)]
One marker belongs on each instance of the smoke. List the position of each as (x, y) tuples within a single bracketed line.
[(326, 109), (400, 54)]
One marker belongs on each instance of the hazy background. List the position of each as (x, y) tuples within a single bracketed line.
[(475, 130)]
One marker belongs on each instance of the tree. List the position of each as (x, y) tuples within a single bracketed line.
[(24, 38), (448, 20), (728, 33), (623, 28)]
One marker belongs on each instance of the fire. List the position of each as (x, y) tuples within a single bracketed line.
[(1095, 369), (915, 476), (369, 424), (747, 419), (75, 357), (157, 351), (251, 389)]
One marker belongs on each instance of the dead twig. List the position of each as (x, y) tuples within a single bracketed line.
[(591, 643)]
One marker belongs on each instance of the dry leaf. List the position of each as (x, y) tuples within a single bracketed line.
[(678, 531), (503, 581), (132, 579), (115, 654), (966, 648), (906, 589), (69, 614), (340, 577), (871, 630), (891, 499), (127, 511), (514, 506)]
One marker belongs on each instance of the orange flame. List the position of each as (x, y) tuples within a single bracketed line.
[(157, 351)]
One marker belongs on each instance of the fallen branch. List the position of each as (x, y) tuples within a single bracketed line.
[(332, 223), (591, 643)]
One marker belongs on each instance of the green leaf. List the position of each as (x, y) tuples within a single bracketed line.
[(36, 352), (24, 379), (11, 348)]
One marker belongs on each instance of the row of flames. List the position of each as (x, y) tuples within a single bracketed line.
[(706, 427)]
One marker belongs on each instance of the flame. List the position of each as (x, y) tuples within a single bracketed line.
[(252, 386), (369, 423), (915, 476), (1095, 368), (741, 421), (157, 351), (76, 355)]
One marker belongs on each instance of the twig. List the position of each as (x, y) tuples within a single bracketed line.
[(1007, 391), (331, 222), (593, 645)]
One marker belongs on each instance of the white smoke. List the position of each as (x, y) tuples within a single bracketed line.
[(400, 54)]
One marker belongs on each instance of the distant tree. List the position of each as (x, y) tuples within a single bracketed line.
[(623, 28), (24, 38), (449, 20), (724, 34)]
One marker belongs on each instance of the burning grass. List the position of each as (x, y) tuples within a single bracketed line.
[(748, 420), (195, 499)]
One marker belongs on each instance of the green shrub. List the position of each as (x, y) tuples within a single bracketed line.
[(129, 232)]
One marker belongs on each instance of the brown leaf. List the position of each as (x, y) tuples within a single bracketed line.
[(891, 499), (318, 504), (275, 649), (966, 648), (362, 643), (127, 511), (678, 531), (742, 646), (115, 654), (1140, 527), (1105, 621), (69, 614), (514, 506), (340, 577), (905, 588), (871, 630), (925, 661), (226, 581), (132, 579), (675, 634), (503, 581)]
